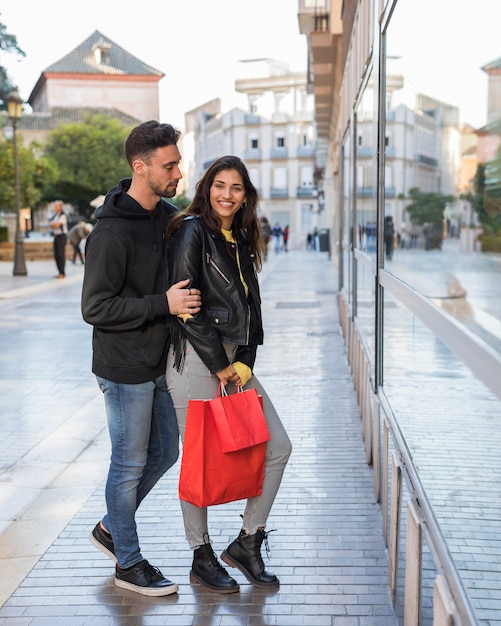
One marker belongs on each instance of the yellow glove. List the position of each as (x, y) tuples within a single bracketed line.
[(244, 372)]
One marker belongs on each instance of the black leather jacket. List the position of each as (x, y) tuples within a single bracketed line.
[(227, 315)]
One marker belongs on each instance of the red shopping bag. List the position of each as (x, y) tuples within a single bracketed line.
[(239, 418), (210, 476)]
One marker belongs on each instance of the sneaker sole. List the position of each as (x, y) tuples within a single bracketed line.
[(147, 591), (103, 549)]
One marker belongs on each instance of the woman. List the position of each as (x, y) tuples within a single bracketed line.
[(217, 243)]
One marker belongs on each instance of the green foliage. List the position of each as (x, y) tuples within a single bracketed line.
[(490, 243), (8, 43), (427, 208), (486, 199), (89, 157), (181, 201), (34, 174), (4, 234)]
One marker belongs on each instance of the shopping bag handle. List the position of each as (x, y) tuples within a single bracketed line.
[(221, 390)]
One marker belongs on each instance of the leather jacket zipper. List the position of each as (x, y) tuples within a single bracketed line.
[(218, 270)]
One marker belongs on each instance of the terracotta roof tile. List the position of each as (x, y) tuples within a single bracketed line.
[(112, 59)]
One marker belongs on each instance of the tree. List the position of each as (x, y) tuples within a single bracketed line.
[(8, 43), (35, 173), (89, 157), (427, 209), (181, 201), (486, 197), (492, 194)]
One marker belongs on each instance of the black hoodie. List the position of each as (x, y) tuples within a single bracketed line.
[(124, 286)]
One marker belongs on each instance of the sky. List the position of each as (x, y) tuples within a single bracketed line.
[(197, 44), (443, 45)]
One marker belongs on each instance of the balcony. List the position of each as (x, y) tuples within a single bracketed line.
[(279, 153), (422, 159), (370, 192), (320, 21), (251, 119), (305, 151), (252, 154), (305, 191), (279, 192)]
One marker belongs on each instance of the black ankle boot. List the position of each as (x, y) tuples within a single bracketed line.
[(245, 554), (208, 572)]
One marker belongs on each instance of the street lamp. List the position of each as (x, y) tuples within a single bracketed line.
[(14, 111)]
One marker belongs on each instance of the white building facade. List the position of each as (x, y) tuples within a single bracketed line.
[(274, 135)]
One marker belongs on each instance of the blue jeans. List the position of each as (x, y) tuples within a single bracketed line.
[(144, 445)]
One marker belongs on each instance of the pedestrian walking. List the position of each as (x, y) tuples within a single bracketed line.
[(58, 225), (216, 243), (277, 233), (124, 297), (389, 235), (266, 234), (285, 238)]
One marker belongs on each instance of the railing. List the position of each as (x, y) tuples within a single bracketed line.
[(424, 583)]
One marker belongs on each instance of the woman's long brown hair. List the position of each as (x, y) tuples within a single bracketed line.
[(245, 218)]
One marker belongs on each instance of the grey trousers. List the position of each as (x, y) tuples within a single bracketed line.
[(195, 381)]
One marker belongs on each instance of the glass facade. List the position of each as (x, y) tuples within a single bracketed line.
[(418, 219)]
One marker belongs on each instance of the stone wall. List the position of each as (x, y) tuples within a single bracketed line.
[(33, 250)]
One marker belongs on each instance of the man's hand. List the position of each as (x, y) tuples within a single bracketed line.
[(182, 300)]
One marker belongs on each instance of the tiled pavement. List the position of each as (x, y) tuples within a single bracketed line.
[(328, 549)]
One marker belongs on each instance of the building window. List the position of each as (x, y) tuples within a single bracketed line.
[(253, 105), (280, 140), (255, 178), (254, 142), (307, 137), (280, 177), (306, 176)]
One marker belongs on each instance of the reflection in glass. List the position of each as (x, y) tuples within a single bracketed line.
[(366, 156), (443, 157)]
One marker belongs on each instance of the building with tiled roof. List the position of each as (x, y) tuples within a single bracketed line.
[(99, 73), (98, 76)]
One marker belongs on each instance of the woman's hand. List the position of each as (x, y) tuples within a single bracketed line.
[(229, 375)]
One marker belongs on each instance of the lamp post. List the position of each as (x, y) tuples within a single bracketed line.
[(14, 111)]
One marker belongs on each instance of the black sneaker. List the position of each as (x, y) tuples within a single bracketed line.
[(103, 541), (145, 579)]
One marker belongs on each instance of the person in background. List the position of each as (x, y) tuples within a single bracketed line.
[(277, 233), (216, 244), (266, 234), (285, 238), (389, 234), (124, 298), (58, 225), (76, 234)]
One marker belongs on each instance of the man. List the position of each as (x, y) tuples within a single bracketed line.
[(58, 225), (76, 234), (124, 298)]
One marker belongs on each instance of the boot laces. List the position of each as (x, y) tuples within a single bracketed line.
[(263, 538), (211, 554)]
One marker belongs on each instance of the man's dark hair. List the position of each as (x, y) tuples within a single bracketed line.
[(144, 139)]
